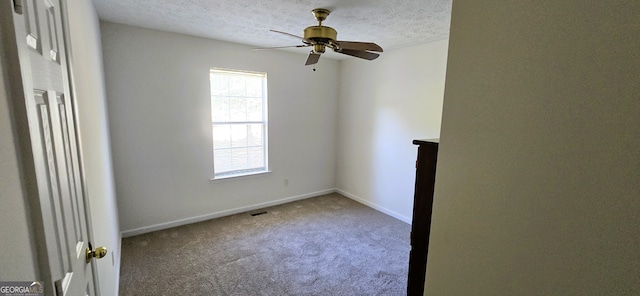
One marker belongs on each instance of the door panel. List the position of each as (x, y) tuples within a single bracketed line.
[(49, 111), (32, 29)]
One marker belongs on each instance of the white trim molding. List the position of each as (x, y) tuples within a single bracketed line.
[(180, 222), (374, 206)]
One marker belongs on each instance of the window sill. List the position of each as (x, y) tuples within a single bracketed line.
[(238, 176)]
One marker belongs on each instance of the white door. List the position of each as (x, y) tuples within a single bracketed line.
[(53, 168)]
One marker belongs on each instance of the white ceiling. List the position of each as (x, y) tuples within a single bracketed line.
[(390, 23)]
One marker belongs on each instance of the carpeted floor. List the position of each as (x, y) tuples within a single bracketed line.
[(326, 245)]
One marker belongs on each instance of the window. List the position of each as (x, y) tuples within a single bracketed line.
[(239, 122)]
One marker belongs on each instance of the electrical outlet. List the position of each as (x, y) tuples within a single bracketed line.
[(286, 182)]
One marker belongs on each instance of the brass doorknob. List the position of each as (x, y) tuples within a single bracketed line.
[(98, 253)]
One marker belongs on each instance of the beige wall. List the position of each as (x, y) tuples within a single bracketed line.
[(160, 120), (538, 182), (384, 105)]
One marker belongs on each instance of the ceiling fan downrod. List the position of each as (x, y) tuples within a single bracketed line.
[(320, 14)]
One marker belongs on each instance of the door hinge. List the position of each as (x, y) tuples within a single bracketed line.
[(58, 286), (17, 6)]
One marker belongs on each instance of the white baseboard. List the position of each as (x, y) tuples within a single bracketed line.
[(375, 206), (180, 222), (161, 226)]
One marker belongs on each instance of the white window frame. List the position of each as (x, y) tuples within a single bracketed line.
[(264, 123)]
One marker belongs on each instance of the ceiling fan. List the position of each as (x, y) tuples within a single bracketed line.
[(320, 37)]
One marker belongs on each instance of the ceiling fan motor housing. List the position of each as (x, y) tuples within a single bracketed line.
[(320, 34)]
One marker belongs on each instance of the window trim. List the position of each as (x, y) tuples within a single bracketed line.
[(265, 122), (221, 179)]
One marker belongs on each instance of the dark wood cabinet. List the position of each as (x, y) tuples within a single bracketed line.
[(422, 208)]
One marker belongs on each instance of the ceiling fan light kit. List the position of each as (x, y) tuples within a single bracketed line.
[(319, 37)]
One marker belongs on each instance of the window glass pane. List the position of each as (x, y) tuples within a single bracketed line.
[(254, 109), (254, 86), (219, 85), (256, 157), (239, 135), (221, 136), (222, 161), (239, 158), (238, 109), (255, 135), (236, 85), (219, 109)]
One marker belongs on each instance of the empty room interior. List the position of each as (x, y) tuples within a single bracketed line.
[(534, 107)]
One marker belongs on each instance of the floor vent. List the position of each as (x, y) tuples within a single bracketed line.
[(258, 213)]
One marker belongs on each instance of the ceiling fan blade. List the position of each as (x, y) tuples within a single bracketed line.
[(359, 54), (305, 41), (359, 45), (277, 47), (312, 58), (285, 33)]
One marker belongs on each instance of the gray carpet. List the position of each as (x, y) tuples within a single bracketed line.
[(325, 245)]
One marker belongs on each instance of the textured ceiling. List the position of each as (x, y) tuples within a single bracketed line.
[(389, 23)]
